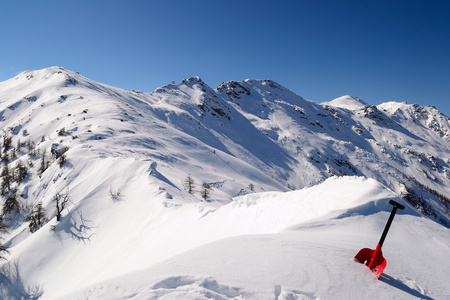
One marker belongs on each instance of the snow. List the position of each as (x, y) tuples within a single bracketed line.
[(279, 224), (256, 253), (347, 102)]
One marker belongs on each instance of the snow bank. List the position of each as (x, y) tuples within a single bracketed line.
[(271, 212), (293, 245)]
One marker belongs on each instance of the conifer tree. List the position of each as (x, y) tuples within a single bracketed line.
[(205, 191), (11, 203), (205, 194), (189, 184), (44, 163), (37, 217), (6, 180), (6, 143), (19, 145), (3, 229), (20, 171)]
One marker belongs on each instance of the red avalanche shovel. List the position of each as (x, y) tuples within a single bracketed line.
[(374, 258)]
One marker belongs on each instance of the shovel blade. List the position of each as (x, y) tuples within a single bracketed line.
[(365, 256), (373, 259), (379, 268)]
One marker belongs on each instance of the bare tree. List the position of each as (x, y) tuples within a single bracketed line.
[(114, 194), (61, 200)]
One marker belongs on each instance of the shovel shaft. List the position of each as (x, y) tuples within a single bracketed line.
[(391, 218)]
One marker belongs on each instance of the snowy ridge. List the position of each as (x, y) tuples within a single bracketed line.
[(296, 249), (122, 158)]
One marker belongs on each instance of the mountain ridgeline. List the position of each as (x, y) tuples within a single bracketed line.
[(243, 136)]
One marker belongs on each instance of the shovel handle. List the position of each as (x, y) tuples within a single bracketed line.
[(396, 204), (391, 217)]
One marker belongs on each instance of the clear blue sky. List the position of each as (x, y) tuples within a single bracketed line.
[(376, 50)]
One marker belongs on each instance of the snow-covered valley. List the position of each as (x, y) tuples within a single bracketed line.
[(284, 192)]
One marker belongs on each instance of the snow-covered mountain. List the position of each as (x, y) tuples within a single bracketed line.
[(96, 181)]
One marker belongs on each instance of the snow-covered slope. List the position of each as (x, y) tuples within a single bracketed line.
[(296, 245), (122, 160)]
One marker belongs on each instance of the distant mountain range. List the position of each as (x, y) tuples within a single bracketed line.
[(70, 137), (253, 131)]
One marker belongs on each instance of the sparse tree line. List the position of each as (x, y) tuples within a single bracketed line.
[(443, 198), (420, 203), (189, 186), (16, 168), (205, 188)]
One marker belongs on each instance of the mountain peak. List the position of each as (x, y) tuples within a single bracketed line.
[(193, 80), (46, 71), (347, 102), (55, 75), (264, 82), (233, 89)]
